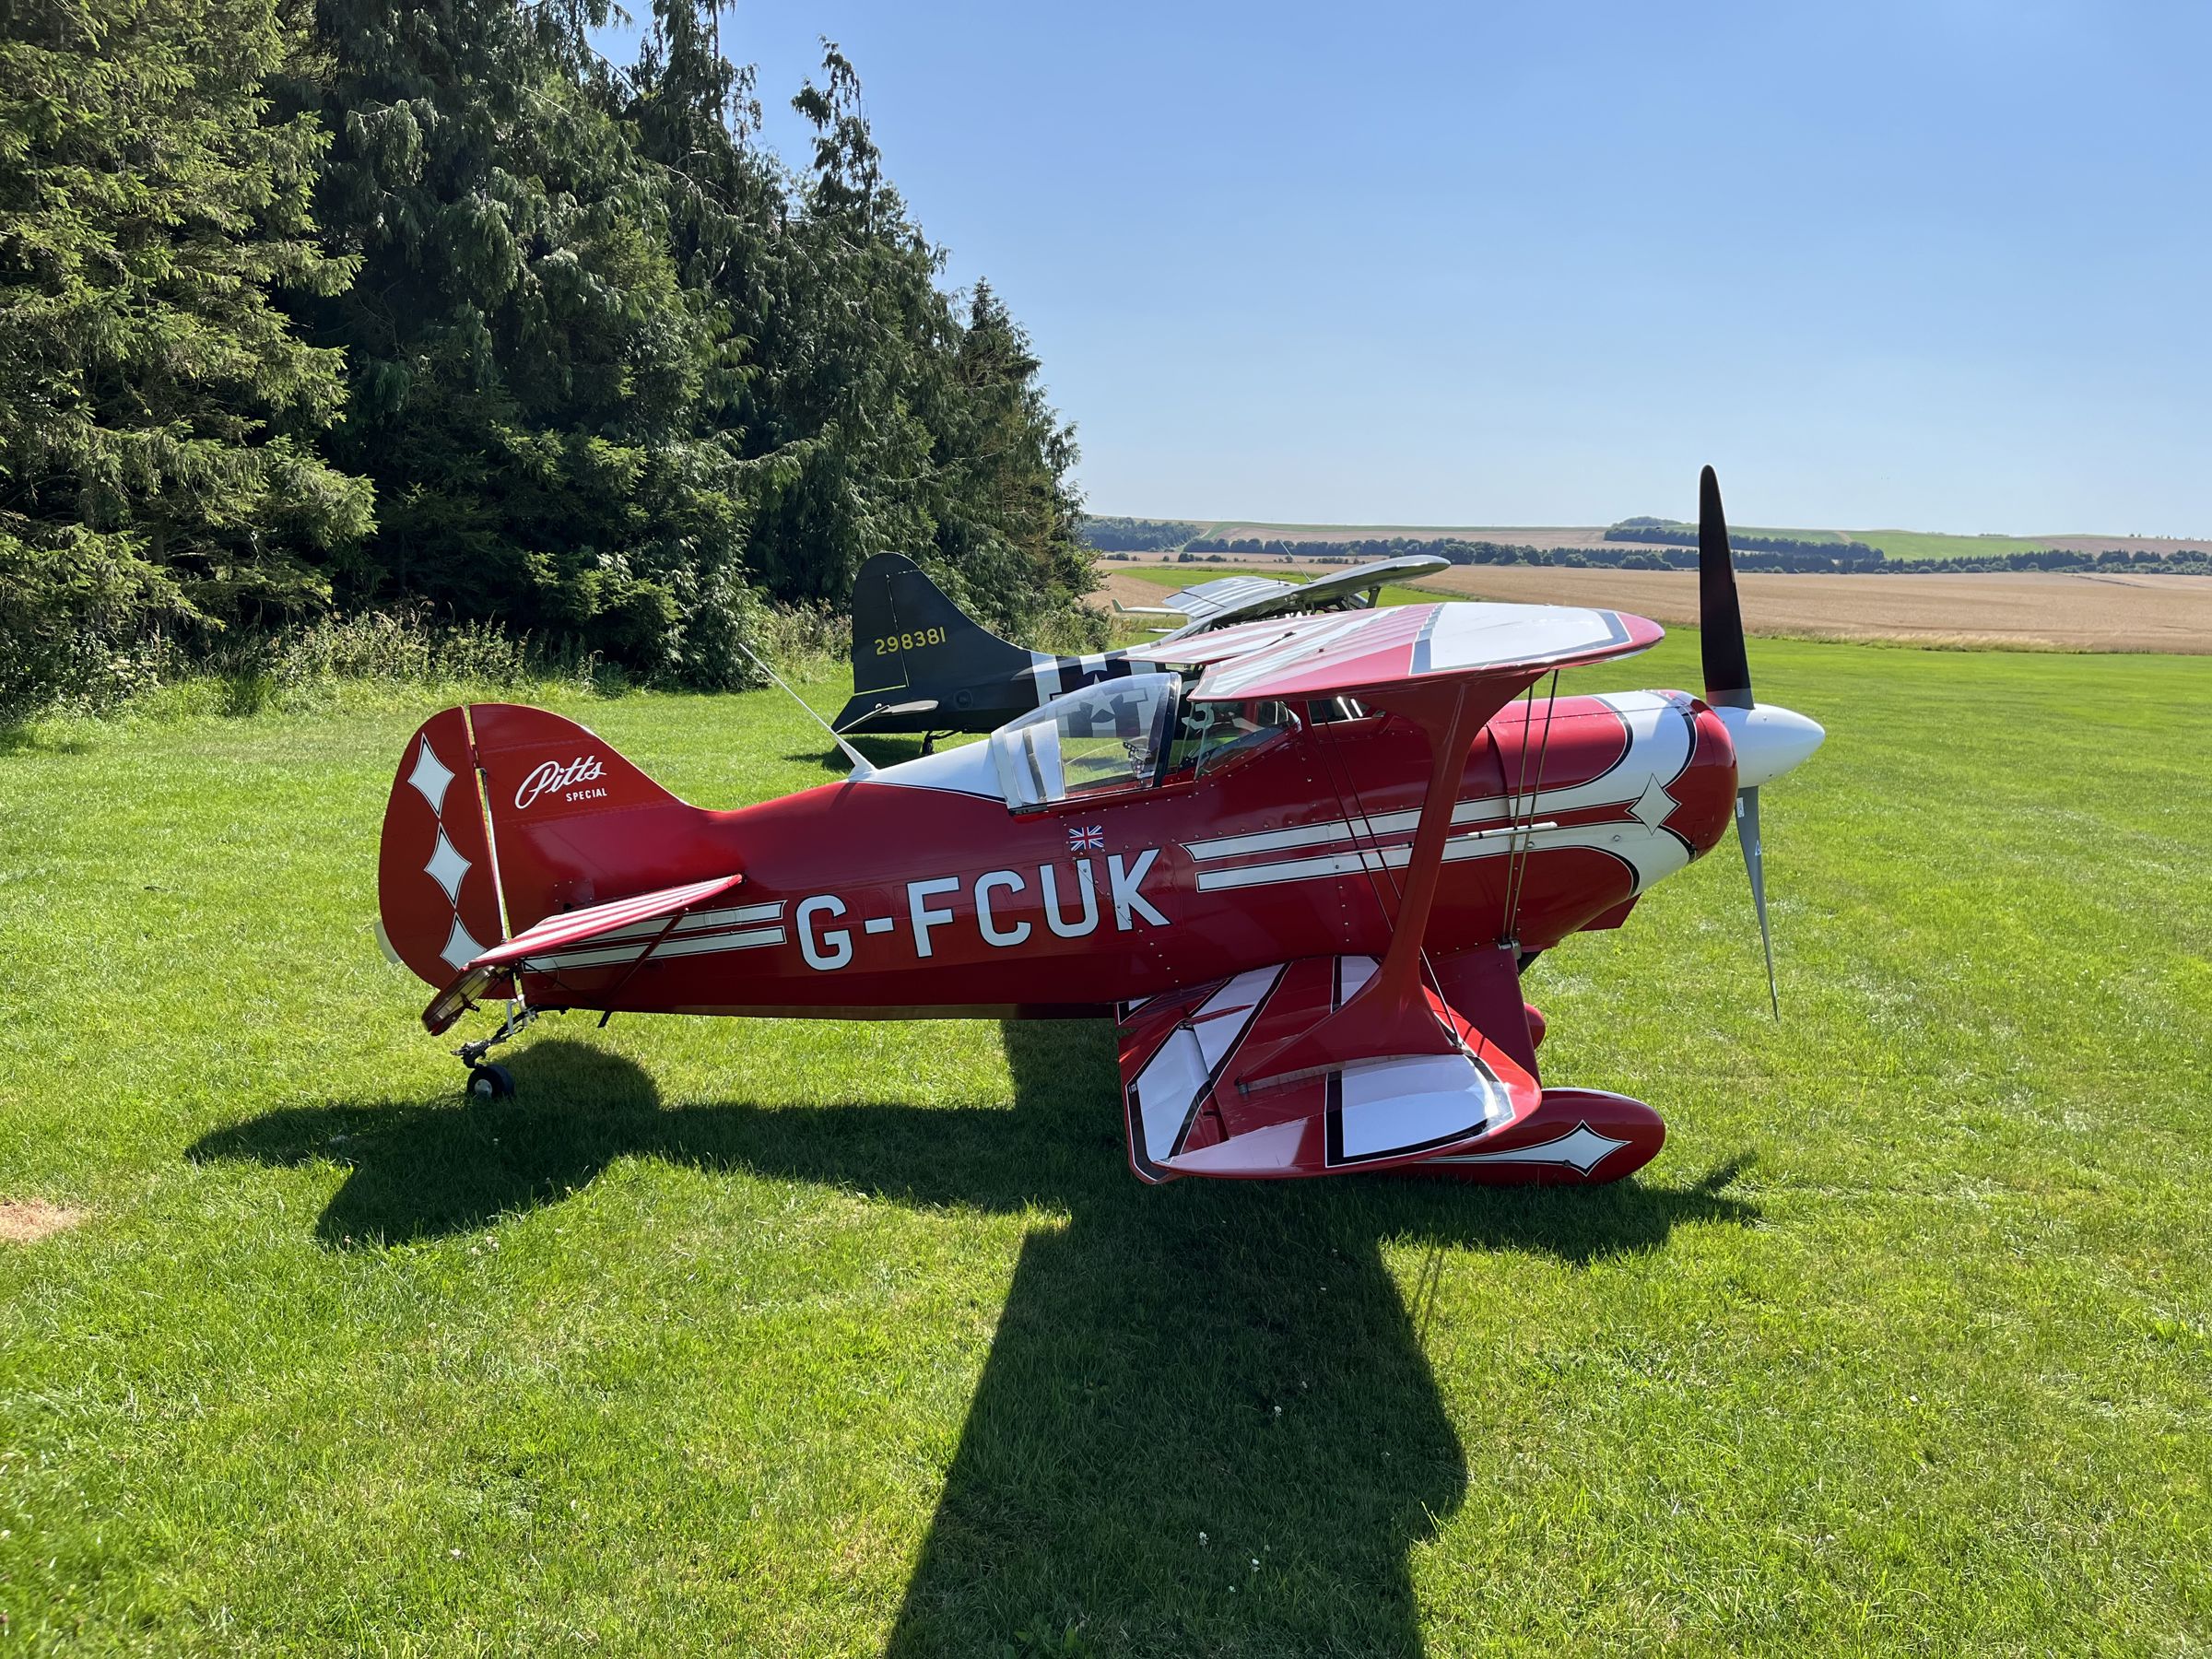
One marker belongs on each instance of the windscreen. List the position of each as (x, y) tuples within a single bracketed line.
[(1103, 736)]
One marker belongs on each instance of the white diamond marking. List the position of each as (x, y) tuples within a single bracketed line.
[(429, 776), (447, 866), (1652, 806), (1582, 1148), (460, 949)]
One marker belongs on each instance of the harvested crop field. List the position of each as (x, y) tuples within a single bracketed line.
[(2020, 611)]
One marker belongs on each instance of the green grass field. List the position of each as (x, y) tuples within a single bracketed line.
[(802, 1338), (1930, 544)]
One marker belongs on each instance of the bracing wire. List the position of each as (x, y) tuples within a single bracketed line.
[(1354, 805), (1372, 863), (1513, 810), (1524, 833)]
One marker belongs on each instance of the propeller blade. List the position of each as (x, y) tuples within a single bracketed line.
[(1728, 683), (1720, 619), (1747, 836)]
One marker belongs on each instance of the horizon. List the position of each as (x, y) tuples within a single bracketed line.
[(1910, 265), (1208, 522)]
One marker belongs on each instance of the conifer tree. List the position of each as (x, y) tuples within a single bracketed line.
[(606, 369), (156, 412), (527, 375)]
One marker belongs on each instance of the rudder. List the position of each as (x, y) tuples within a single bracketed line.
[(436, 895)]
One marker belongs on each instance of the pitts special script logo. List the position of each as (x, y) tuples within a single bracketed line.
[(551, 775)]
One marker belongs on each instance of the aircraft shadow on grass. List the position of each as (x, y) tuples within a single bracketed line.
[(1231, 1360)]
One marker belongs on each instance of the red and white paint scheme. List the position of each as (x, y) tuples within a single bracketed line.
[(1302, 865)]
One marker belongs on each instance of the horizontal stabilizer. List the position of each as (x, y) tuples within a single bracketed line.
[(629, 919), (881, 712)]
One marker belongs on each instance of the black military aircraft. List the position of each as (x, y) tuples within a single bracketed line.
[(921, 663)]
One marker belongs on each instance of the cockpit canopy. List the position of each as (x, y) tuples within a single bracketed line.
[(1131, 733)]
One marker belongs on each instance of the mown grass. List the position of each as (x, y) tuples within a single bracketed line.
[(821, 1338), (1934, 544)]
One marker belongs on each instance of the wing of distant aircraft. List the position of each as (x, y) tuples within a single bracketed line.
[(1209, 601), (1330, 1064), (1230, 599)]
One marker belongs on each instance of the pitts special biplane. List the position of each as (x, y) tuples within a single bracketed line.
[(1303, 865), (921, 663)]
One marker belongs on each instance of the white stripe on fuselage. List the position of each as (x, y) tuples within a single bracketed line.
[(1651, 855), (1657, 746), (699, 944)]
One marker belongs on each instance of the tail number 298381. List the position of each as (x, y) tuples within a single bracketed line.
[(887, 644)]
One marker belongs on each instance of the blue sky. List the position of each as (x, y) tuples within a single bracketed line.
[(1940, 265)]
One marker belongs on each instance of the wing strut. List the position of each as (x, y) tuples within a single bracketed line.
[(1391, 1014)]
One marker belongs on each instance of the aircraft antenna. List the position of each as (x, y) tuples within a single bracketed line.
[(862, 769)]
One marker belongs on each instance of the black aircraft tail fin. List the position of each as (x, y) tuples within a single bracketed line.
[(916, 654)]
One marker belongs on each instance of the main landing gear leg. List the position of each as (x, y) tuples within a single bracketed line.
[(485, 1081), (929, 742)]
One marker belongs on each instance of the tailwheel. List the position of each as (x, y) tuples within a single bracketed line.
[(488, 1082)]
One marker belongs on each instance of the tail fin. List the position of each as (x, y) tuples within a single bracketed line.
[(918, 661), (501, 815)]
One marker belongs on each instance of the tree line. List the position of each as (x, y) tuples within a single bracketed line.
[(1674, 552), (1840, 555), (315, 309), (1136, 535)]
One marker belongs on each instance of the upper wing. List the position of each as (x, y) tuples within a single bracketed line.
[(1193, 1108), (626, 929), (1335, 655)]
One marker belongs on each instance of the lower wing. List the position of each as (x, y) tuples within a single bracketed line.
[(1193, 1106)]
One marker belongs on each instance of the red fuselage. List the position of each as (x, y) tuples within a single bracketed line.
[(917, 890)]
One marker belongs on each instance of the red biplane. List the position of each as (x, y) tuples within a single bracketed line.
[(1302, 864)]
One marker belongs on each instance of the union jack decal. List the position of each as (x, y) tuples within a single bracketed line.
[(1092, 840)]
